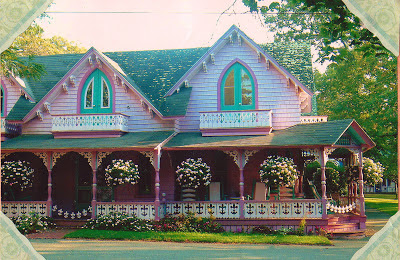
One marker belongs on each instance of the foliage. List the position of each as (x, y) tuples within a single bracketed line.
[(193, 173), (309, 171), (364, 88), (373, 171), (118, 221), (188, 223), (282, 231), (32, 223), (230, 238), (277, 170), (17, 174), (120, 172)]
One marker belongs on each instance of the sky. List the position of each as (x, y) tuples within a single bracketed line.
[(129, 25)]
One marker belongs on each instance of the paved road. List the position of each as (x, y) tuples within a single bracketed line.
[(83, 249), (96, 249)]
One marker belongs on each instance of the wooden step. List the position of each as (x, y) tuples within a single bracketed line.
[(70, 223)]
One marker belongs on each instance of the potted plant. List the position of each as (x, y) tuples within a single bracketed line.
[(191, 174), (277, 171), (121, 172)]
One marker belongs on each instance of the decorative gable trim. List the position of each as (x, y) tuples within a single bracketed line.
[(228, 37), (69, 79), (368, 143), (16, 81)]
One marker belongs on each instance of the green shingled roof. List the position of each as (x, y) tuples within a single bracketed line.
[(299, 135), (154, 72), (148, 140)]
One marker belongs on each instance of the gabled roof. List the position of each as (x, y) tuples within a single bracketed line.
[(154, 74), (302, 135)]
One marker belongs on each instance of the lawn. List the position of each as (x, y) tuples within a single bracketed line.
[(386, 203), (230, 238)]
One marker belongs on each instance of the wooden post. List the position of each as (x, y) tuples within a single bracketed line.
[(361, 182), (94, 183), (241, 164), (49, 183), (323, 182), (157, 162)]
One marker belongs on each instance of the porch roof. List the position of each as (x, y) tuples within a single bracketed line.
[(141, 140), (302, 135)]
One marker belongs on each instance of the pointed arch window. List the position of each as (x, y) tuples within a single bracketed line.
[(237, 89), (96, 94)]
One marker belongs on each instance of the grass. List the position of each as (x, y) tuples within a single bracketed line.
[(230, 238), (386, 203)]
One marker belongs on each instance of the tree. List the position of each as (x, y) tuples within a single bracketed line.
[(29, 44)]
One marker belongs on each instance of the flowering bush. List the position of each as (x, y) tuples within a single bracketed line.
[(188, 223), (32, 223), (276, 170), (373, 171), (120, 172), (193, 173), (17, 174), (118, 221)]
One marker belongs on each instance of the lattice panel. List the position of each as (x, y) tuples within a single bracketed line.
[(140, 210), (263, 210), (222, 210), (15, 209)]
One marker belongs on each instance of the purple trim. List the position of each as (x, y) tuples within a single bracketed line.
[(221, 76), (5, 97), (83, 81), (232, 131), (88, 134)]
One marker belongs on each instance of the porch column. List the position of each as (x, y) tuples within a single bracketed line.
[(157, 161), (323, 159), (241, 164), (49, 167), (361, 182), (93, 159)]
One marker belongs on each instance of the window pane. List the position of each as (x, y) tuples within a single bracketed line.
[(89, 96), (106, 95), (229, 93), (247, 90)]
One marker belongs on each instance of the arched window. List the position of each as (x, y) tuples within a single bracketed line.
[(237, 89), (96, 96)]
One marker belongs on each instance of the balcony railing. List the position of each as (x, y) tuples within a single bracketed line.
[(19, 208), (313, 119), (78, 123), (236, 120)]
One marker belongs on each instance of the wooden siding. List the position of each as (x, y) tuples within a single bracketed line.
[(126, 102), (13, 93), (273, 92)]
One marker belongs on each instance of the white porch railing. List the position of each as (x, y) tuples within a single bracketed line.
[(235, 119), (220, 209), (106, 122), (142, 210), (19, 208), (283, 209), (313, 119)]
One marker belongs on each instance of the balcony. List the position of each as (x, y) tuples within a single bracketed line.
[(313, 119), (220, 123), (9, 129), (100, 125)]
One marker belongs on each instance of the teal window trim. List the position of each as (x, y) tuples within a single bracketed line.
[(97, 78), (238, 89)]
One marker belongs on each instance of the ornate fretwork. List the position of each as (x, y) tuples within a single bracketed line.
[(4, 155), (234, 155), (311, 152), (57, 156), (356, 154), (150, 155), (327, 152), (88, 156), (101, 156), (248, 154), (43, 156)]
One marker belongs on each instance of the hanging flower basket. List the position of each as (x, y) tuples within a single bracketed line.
[(373, 171), (17, 174), (193, 173), (121, 172), (278, 171)]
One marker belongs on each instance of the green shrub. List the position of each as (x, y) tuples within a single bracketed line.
[(262, 230), (118, 221), (32, 223), (188, 223)]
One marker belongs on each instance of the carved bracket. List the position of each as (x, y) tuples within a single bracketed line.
[(4, 155), (43, 156), (88, 156), (150, 155), (234, 155), (57, 156), (248, 154), (101, 156)]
